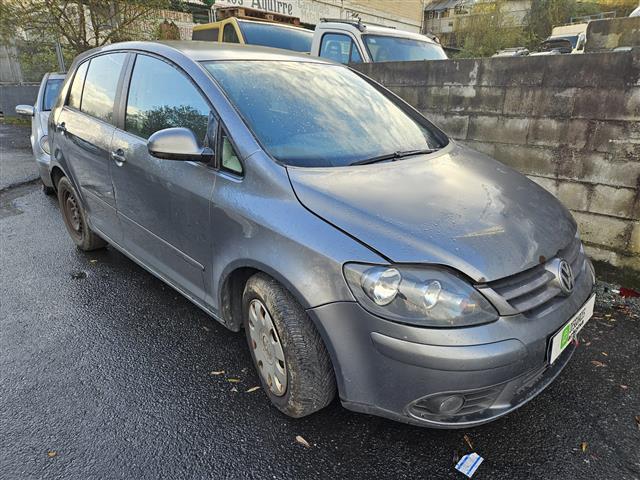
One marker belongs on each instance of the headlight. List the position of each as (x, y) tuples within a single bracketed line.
[(420, 296), (44, 144)]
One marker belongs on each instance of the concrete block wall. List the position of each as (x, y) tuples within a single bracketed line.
[(571, 123)]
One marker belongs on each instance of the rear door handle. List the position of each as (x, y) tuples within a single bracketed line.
[(61, 127), (118, 157)]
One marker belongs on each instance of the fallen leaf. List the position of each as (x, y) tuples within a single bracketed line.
[(468, 440), (253, 389), (638, 421), (233, 380), (51, 453), (206, 329), (598, 364), (93, 260), (624, 387), (217, 372), (234, 389), (588, 344), (605, 354), (583, 446), (629, 292), (302, 441)]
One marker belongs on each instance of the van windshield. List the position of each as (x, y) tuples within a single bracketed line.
[(385, 48), (319, 115), (276, 36)]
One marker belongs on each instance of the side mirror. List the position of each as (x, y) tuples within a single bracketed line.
[(26, 110), (178, 144)]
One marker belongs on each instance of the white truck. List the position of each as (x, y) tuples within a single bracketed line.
[(347, 41)]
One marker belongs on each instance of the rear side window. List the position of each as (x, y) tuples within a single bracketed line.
[(339, 48), (51, 90), (277, 36), (208, 34), (75, 94), (100, 85), (229, 34), (160, 96)]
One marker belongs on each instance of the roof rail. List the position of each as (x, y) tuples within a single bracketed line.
[(356, 23)]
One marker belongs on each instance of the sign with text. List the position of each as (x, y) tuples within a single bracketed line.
[(290, 8)]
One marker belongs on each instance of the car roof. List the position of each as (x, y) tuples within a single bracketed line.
[(199, 51), (374, 30)]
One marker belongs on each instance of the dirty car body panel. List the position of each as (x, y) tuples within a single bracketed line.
[(447, 212)]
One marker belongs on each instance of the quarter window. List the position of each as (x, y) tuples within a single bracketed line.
[(230, 160), (339, 48), (75, 94), (161, 97), (229, 34), (100, 86)]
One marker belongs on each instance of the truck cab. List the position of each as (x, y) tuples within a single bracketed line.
[(347, 41)]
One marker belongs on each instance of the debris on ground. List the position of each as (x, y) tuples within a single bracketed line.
[(234, 380), (217, 372), (302, 441), (469, 464), (206, 329), (584, 446), (93, 261), (628, 293), (51, 453), (638, 421), (252, 389), (598, 363), (468, 440)]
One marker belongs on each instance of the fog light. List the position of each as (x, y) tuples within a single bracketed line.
[(451, 405)]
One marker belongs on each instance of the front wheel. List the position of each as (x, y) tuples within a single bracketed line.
[(288, 352), (75, 218)]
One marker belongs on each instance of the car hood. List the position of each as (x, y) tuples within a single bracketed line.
[(457, 208)]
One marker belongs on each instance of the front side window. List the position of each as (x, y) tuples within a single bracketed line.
[(383, 48), (100, 85), (75, 93), (51, 90), (345, 120), (160, 96), (339, 48), (229, 34), (277, 36)]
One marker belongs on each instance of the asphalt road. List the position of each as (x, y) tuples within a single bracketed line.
[(106, 373)]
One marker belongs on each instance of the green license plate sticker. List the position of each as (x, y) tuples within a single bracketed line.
[(570, 329)]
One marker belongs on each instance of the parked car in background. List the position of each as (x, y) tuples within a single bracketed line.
[(564, 39), (255, 32), (636, 12), (346, 41), (39, 113), (512, 52), (361, 249)]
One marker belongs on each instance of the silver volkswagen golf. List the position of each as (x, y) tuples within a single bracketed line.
[(362, 251)]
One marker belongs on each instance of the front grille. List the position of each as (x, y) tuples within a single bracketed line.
[(536, 288)]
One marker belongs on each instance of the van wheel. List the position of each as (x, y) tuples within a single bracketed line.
[(75, 218), (290, 357)]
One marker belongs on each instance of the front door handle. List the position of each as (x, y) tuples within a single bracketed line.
[(61, 127), (118, 157)]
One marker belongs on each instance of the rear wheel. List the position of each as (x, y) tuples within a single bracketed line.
[(75, 218), (289, 355)]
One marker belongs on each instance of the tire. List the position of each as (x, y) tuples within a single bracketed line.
[(310, 383), (75, 218), (48, 190)]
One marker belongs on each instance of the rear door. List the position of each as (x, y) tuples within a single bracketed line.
[(86, 125), (163, 205)]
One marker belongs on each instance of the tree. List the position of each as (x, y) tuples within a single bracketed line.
[(489, 28), (80, 24)]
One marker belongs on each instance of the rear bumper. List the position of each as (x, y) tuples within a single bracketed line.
[(402, 372)]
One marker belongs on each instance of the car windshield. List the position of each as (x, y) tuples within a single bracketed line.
[(318, 115), (572, 39), (384, 48), (276, 36), (51, 90)]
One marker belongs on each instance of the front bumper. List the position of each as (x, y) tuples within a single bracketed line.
[(400, 371)]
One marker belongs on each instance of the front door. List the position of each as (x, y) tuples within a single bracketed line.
[(163, 205), (86, 129)]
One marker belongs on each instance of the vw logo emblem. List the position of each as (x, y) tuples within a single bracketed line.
[(564, 275)]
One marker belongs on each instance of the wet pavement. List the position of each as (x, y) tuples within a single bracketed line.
[(105, 372)]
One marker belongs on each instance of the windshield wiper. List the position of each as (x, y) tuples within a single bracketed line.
[(394, 156)]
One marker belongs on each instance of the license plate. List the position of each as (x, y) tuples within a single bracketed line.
[(570, 329)]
